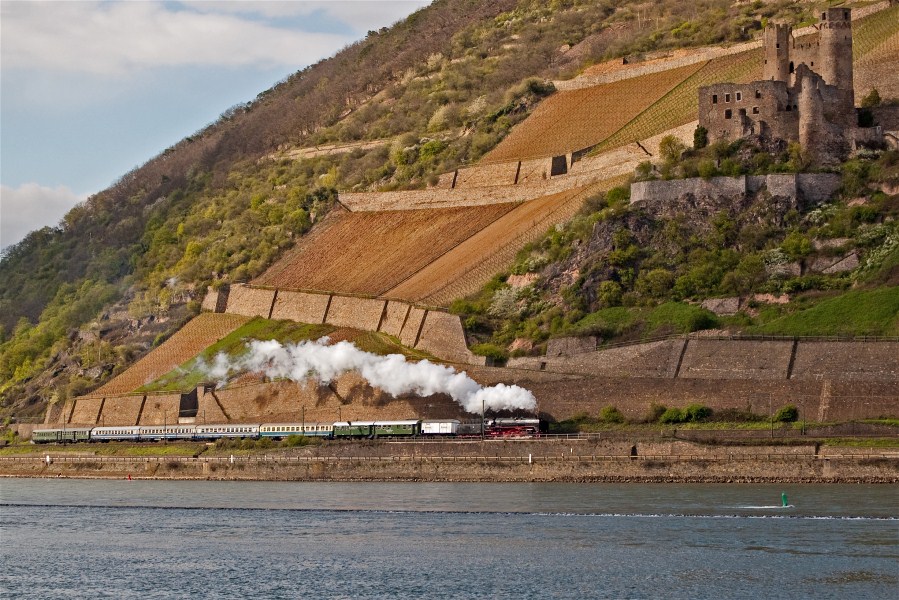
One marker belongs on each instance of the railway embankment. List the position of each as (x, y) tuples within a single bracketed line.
[(580, 460)]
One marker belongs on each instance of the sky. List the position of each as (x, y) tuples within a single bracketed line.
[(90, 90)]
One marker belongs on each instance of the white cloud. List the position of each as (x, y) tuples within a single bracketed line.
[(360, 15), (120, 37), (32, 206)]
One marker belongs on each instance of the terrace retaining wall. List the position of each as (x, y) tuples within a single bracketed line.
[(300, 306), (250, 301), (160, 409), (358, 313)]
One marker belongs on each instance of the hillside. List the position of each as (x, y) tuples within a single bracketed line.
[(237, 202)]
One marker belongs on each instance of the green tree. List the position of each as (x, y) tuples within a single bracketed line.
[(700, 138)]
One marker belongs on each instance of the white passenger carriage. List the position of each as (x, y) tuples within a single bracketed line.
[(166, 432), (283, 430), (214, 432), (120, 434)]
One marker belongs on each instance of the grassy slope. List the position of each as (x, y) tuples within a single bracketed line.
[(857, 312)]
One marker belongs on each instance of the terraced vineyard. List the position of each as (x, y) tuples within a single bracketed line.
[(877, 69), (199, 333), (372, 252), (869, 33), (679, 106), (578, 119), (471, 264)]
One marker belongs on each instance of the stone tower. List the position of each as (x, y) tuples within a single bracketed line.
[(811, 112), (778, 39), (835, 53)]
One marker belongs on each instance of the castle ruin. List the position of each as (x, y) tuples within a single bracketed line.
[(806, 95)]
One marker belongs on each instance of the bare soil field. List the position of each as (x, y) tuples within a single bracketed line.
[(569, 121), (194, 337), (371, 252)]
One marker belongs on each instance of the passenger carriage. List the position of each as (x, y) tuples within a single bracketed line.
[(166, 432), (354, 429), (60, 436), (283, 430), (122, 434), (214, 432)]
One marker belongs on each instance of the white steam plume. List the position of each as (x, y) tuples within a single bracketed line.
[(324, 362)]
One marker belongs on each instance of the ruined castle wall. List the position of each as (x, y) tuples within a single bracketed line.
[(250, 301), (812, 188), (442, 335), (358, 313), (731, 110), (887, 116), (650, 193), (300, 306), (394, 318)]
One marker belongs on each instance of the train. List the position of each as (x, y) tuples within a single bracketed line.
[(408, 428)]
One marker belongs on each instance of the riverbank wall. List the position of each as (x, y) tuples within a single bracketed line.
[(492, 461)]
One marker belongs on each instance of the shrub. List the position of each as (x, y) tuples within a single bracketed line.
[(872, 99), (610, 414), (655, 412), (696, 413), (672, 415), (491, 351), (787, 414), (707, 169), (609, 293)]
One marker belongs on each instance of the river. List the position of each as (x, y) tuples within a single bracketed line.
[(65, 538)]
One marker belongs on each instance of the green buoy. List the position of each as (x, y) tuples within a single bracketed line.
[(783, 498)]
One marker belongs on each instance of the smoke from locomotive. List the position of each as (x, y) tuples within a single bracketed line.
[(323, 362)]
